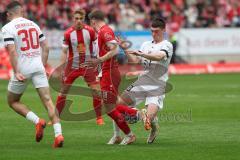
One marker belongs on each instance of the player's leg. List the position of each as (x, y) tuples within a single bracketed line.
[(69, 78), (151, 122), (131, 115), (124, 105), (40, 82), (47, 102), (109, 89), (154, 105), (97, 103), (149, 114), (15, 91), (61, 99), (119, 119), (90, 79), (16, 105), (129, 98)]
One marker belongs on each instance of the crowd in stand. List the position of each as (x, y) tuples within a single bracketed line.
[(136, 14)]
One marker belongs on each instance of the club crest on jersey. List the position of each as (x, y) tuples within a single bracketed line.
[(108, 36)]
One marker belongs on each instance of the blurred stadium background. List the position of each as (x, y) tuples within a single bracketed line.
[(206, 37), (204, 32)]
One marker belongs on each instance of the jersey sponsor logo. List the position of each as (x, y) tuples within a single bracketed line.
[(31, 54)]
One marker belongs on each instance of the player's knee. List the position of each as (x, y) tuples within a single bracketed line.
[(11, 101), (46, 98), (116, 116)]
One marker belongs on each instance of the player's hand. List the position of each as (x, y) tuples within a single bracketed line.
[(137, 53), (20, 77), (91, 63), (47, 70), (124, 44), (119, 40)]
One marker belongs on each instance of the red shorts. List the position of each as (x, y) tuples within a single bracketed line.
[(109, 83), (89, 76)]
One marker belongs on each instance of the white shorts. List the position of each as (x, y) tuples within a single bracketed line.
[(158, 100), (146, 93), (39, 80)]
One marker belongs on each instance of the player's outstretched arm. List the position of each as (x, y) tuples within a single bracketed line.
[(157, 56), (113, 51), (45, 51), (132, 57)]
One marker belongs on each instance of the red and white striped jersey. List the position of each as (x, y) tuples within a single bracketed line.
[(79, 44)]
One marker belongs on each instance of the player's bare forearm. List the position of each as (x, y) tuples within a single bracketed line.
[(45, 51), (13, 57), (131, 57)]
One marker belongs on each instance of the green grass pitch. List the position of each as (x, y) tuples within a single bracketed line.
[(211, 133)]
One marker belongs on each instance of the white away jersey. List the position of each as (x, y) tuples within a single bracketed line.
[(157, 70), (26, 35)]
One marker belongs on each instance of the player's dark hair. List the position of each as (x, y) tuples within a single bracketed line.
[(96, 14), (80, 11), (158, 23), (13, 4)]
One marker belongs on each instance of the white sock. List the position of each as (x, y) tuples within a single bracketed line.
[(130, 134), (57, 129), (116, 130), (32, 117)]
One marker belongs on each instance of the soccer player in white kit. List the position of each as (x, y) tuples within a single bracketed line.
[(23, 40), (155, 56)]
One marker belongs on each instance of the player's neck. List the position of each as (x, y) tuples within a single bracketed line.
[(15, 17), (158, 40), (100, 25), (79, 28)]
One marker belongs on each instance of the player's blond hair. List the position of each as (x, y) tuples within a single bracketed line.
[(79, 11)]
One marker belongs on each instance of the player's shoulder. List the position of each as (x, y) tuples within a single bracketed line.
[(146, 43), (8, 26), (87, 27), (106, 28), (69, 30), (167, 43), (33, 23)]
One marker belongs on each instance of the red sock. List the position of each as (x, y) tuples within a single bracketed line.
[(120, 121), (60, 104), (126, 110), (97, 104)]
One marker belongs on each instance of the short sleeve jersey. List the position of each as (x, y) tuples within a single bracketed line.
[(26, 36)]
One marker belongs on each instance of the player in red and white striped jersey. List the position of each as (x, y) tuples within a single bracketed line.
[(78, 47)]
